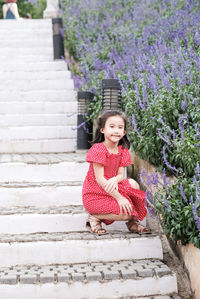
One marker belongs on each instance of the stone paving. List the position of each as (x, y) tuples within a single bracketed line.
[(83, 272), (78, 156), (46, 210), (37, 237)]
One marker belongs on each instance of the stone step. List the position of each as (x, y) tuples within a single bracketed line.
[(53, 95), (24, 30), (19, 75), (46, 42), (41, 195), (25, 22), (77, 247), (89, 280), (49, 84), (37, 132), (29, 51), (30, 58), (38, 168), (39, 108), (52, 219), (49, 159), (57, 65), (61, 145), (20, 120)]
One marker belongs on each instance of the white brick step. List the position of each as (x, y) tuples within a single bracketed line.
[(18, 75), (37, 132), (25, 31), (63, 83), (54, 95), (43, 170), (39, 108), (54, 219), (41, 195), (30, 58), (28, 43), (25, 22), (81, 247), (150, 278), (64, 145), (78, 157), (38, 119), (33, 66), (19, 51)]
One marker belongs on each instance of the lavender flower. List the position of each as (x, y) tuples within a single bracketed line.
[(183, 193), (181, 126), (165, 138), (166, 162), (166, 202), (196, 217), (134, 123)]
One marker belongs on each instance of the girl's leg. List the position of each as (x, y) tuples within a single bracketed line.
[(14, 10), (94, 221), (113, 217), (5, 9)]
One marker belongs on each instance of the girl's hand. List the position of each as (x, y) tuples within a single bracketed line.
[(111, 185), (125, 206)]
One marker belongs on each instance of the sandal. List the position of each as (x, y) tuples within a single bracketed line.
[(93, 224), (138, 227)]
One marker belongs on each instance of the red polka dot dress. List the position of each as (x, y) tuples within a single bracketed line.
[(95, 199)]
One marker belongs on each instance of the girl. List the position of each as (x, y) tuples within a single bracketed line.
[(107, 195)]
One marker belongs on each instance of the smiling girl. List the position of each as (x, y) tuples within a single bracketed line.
[(107, 195)]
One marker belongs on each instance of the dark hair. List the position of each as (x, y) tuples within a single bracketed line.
[(99, 137)]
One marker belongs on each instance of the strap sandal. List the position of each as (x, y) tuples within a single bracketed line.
[(134, 226), (93, 224)]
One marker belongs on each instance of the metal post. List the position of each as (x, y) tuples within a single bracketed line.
[(84, 131), (58, 43)]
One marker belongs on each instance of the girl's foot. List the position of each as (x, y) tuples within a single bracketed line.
[(134, 226), (93, 224)]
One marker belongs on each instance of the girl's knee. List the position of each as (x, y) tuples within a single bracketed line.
[(134, 184)]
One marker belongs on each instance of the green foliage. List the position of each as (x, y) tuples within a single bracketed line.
[(177, 214)]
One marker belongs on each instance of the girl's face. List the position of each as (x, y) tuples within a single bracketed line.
[(114, 129)]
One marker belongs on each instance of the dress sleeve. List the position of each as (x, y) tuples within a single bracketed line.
[(126, 158), (96, 153)]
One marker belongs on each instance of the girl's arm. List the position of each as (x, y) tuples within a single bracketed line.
[(124, 204)]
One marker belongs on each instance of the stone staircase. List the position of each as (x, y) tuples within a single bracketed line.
[(44, 248)]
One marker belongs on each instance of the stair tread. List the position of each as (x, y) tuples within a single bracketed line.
[(86, 272), (73, 236), (43, 158), (59, 209)]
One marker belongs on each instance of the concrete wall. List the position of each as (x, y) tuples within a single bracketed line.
[(191, 257)]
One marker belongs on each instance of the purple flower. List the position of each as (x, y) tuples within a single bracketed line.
[(194, 211), (183, 193), (166, 202), (166, 162), (181, 127), (134, 123), (165, 138)]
